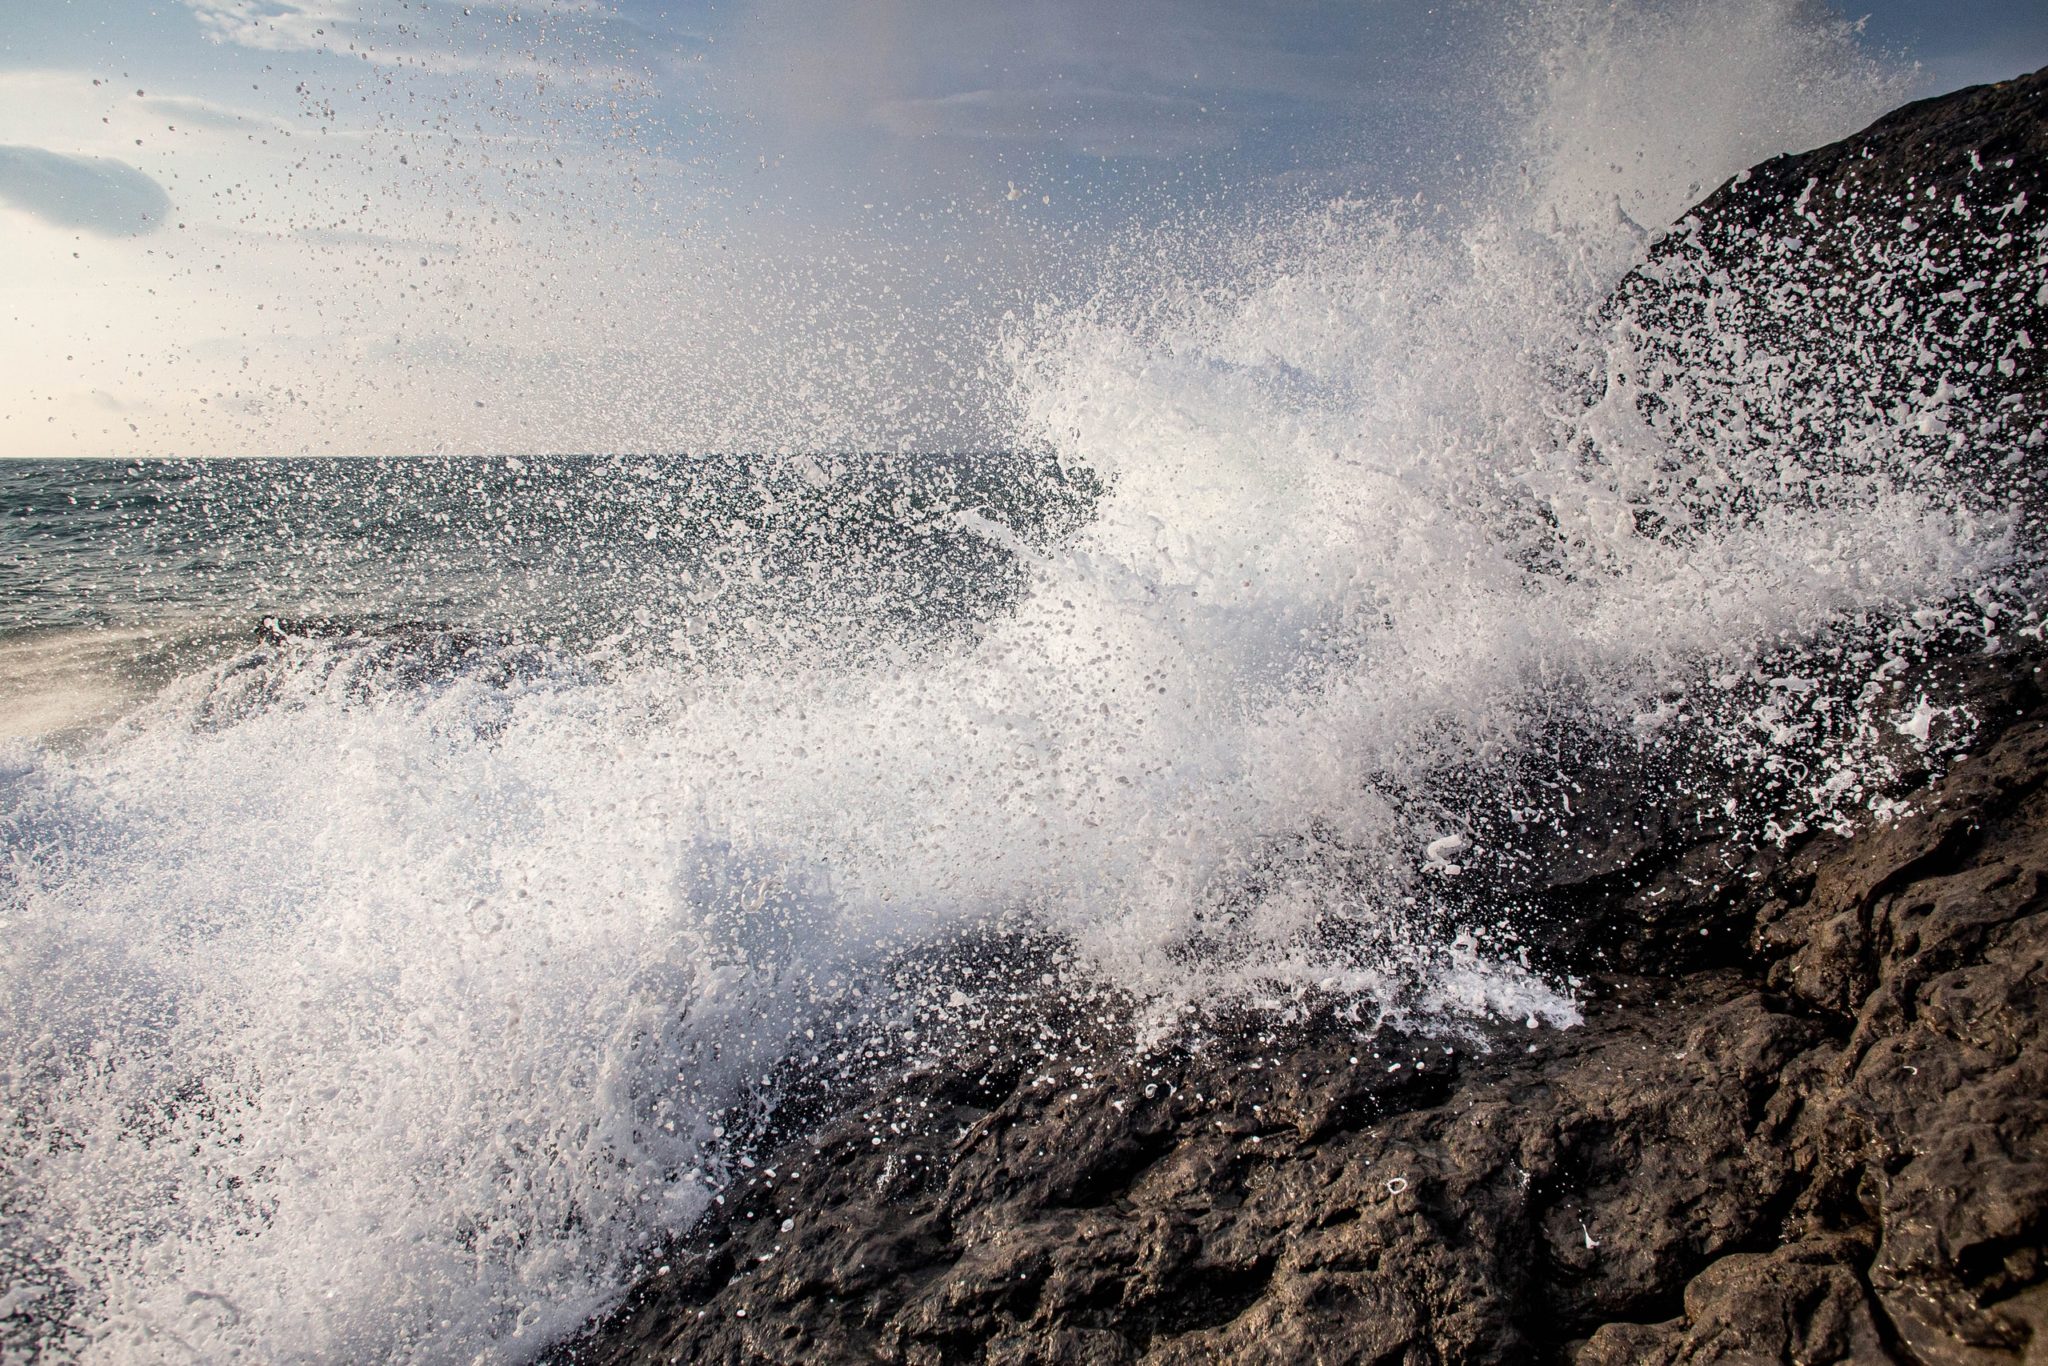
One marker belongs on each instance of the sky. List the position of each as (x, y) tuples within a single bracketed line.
[(397, 226)]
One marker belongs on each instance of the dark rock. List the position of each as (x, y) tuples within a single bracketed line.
[(1892, 280), (1764, 1164), (1806, 1118)]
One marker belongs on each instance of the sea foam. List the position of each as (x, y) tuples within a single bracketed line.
[(352, 1014)]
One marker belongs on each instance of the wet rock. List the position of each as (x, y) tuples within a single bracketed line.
[(1838, 1152), (1891, 281), (1801, 1302), (1805, 1119)]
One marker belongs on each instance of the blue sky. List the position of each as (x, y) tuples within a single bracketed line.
[(263, 226)]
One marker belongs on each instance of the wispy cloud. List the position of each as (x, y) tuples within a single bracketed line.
[(560, 40), (276, 25), (1104, 78), (1086, 120)]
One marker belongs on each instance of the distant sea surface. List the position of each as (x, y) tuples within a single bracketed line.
[(118, 575)]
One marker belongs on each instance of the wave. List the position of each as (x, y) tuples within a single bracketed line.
[(371, 998)]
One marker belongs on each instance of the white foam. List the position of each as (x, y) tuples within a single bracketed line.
[(363, 1022), (56, 681)]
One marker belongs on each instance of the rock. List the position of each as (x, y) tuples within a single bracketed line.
[(1801, 1302), (1892, 281), (1806, 1118), (1726, 1165)]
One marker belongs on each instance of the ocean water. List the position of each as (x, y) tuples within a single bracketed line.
[(119, 576), (415, 872)]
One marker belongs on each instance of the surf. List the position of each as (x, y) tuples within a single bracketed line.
[(384, 990)]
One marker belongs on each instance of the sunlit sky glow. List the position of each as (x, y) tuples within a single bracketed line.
[(383, 226)]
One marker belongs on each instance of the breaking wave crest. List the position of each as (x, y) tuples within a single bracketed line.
[(370, 997)]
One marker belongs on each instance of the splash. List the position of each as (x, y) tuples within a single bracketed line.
[(361, 1002)]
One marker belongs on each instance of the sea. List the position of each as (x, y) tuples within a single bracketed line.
[(417, 875), (118, 576)]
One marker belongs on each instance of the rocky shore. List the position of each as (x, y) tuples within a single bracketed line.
[(1806, 1116)]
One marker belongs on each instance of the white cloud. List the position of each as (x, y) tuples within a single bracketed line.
[(561, 40), (276, 25), (79, 114)]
